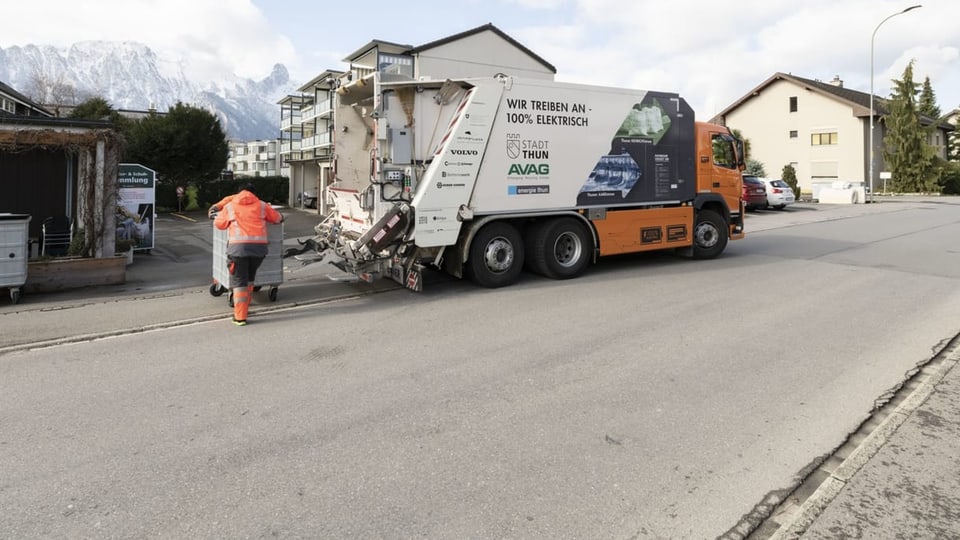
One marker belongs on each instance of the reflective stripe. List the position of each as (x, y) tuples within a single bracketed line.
[(236, 233)]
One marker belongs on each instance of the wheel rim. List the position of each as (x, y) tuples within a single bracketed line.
[(498, 255), (568, 249), (706, 235)]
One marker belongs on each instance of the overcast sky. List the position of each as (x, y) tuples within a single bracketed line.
[(710, 52)]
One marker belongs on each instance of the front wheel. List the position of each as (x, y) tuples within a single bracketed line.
[(496, 255), (709, 235)]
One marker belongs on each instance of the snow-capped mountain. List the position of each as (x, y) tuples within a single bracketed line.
[(132, 76)]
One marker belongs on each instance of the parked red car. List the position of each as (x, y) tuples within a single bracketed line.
[(754, 192)]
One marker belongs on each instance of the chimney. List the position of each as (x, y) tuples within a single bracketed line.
[(837, 82)]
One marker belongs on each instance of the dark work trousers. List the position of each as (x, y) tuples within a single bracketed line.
[(243, 270)]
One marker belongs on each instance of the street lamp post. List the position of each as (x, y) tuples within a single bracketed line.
[(872, 37)]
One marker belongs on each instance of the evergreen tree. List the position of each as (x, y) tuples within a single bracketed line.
[(186, 146), (755, 168), (928, 101), (95, 108), (909, 158)]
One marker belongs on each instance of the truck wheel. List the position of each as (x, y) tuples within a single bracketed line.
[(709, 235), (496, 255), (561, 249)]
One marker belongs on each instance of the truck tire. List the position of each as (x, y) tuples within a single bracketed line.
[(561, 248), (496, 255), (709, 235)]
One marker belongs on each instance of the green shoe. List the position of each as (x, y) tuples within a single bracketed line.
[(239, 323)]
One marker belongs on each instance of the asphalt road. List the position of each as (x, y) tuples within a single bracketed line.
[(653, 397)]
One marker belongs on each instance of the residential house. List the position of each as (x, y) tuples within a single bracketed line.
[(484, 51), (13, 103), (821, 128)]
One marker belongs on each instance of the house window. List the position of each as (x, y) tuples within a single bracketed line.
[(793, 103), (820, 139), (8, 105), (396, 64), (793, 134)]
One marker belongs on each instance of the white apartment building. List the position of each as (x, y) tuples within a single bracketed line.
[(306, 137), (253, 158)]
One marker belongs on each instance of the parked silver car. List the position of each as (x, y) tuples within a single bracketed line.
[(779, 193)]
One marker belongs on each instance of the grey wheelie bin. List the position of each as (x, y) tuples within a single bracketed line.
[(14, 251), (270, 273)]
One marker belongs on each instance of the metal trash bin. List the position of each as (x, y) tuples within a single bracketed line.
[(270, 273), (14, 252)]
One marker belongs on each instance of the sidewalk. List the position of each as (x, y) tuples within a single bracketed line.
[(902, 480), (171, 286)]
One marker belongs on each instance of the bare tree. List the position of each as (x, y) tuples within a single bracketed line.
[(52, 91)]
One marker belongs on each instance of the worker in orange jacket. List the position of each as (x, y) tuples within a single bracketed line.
[(245, 219)]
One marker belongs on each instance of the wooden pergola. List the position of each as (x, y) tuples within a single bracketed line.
[(54, 166)]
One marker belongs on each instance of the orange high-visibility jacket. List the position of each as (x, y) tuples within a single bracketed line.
[(245, 218)]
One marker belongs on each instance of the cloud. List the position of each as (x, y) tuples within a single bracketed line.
[(219, 37), (711, 52)]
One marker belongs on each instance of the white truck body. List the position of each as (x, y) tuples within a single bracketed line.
[(450, 156)]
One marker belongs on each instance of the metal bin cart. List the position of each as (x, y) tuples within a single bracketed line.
[(270, 273), (14, 251)]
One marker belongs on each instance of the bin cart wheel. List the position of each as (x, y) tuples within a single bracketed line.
[(216, 289), (709, 235), (15, 295), (273, 294), (496, 255)]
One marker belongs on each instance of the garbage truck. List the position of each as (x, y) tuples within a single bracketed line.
[(485, 178)]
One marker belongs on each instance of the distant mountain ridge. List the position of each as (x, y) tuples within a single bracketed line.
[(130, 75)]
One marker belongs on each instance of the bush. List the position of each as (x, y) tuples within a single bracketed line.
[(273, 189), (950, 181)]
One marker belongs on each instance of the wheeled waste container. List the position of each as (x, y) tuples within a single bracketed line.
[(14, 251), (270, 273)]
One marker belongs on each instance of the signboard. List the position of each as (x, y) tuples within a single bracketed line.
[(136, 206), (885, 175)]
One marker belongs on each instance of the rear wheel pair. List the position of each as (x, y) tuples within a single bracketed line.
[(556, 248)]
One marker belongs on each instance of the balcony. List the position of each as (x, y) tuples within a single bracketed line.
[(286, 124), (320, 109), (290, 146), (317, 141), (324, 109)]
